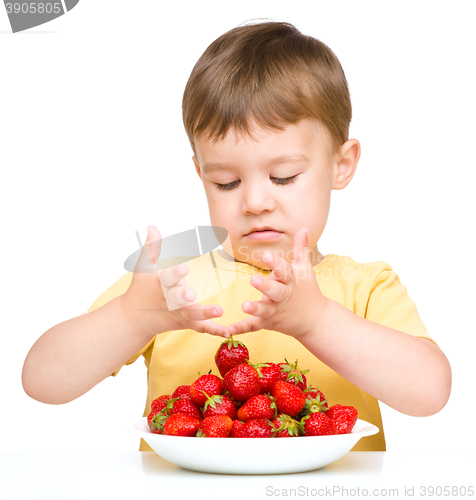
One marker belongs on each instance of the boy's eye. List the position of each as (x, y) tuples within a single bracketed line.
[(226, 187), (277, 180)]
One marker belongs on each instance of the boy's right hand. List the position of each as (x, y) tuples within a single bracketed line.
[(152, 287)]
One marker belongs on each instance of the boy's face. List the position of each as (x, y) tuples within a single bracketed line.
[(254, 197)]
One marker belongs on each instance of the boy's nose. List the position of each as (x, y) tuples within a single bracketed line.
[(257, 200)]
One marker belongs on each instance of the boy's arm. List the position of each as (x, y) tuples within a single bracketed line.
[(409, 374)]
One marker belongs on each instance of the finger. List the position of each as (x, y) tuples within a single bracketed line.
[(300, 248), (172, 275), (198, 312), (154, 239), (178, 296), (261, 308), (150, 252), (282, 270), (250, 324), (274, 290), (212, 328)]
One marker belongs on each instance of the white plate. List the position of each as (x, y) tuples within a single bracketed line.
[(253, 456)]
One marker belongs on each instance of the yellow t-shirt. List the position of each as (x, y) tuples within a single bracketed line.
[(372, 290)]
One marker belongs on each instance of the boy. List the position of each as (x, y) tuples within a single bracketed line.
[(267, 111)]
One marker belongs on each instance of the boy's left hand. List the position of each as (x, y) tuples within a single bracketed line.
[(292, 301)]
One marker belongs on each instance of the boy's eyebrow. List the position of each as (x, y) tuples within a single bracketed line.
[(296, 158)]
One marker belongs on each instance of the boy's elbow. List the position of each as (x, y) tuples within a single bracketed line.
[(31, 387), (434, 405), (437, 392), (41, 395), (35, 389)]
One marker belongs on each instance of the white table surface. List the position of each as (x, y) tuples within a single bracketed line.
[(120, 475)]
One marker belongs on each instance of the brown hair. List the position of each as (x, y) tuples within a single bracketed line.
[(269, 73)]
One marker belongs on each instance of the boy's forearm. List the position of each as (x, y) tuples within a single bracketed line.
[(407, 373), (72, 357)]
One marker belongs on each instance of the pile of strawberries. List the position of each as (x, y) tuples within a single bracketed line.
[(262, 400)]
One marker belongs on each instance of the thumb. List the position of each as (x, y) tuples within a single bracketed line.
[(154, 240), (150, 252), (153, 235), (301, 246)]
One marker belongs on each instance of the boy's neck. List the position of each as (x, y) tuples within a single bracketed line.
[(316, 256)]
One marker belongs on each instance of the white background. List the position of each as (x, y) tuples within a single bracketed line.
[(93, 149)]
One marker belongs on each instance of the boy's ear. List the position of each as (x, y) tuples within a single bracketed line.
[(197, 168), (346, 163)]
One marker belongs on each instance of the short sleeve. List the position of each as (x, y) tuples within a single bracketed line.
[(390, 305), (118, 288)]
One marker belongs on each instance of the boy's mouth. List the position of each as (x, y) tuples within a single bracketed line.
[(261, 229), (263, 233)]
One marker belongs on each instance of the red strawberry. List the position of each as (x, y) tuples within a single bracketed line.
[(237, 429), (221, 404), (292, 373), (268, 373), (156, 423), (218, 426), (157, 406), (159, 403), (184, 406), (343, 418), (182, 390), (258, 428), (231, 353), (242, 382), (288, 397), (209, 384), (181, 425), (258, 406), (286, 426), (315, 401), (317, 424)]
